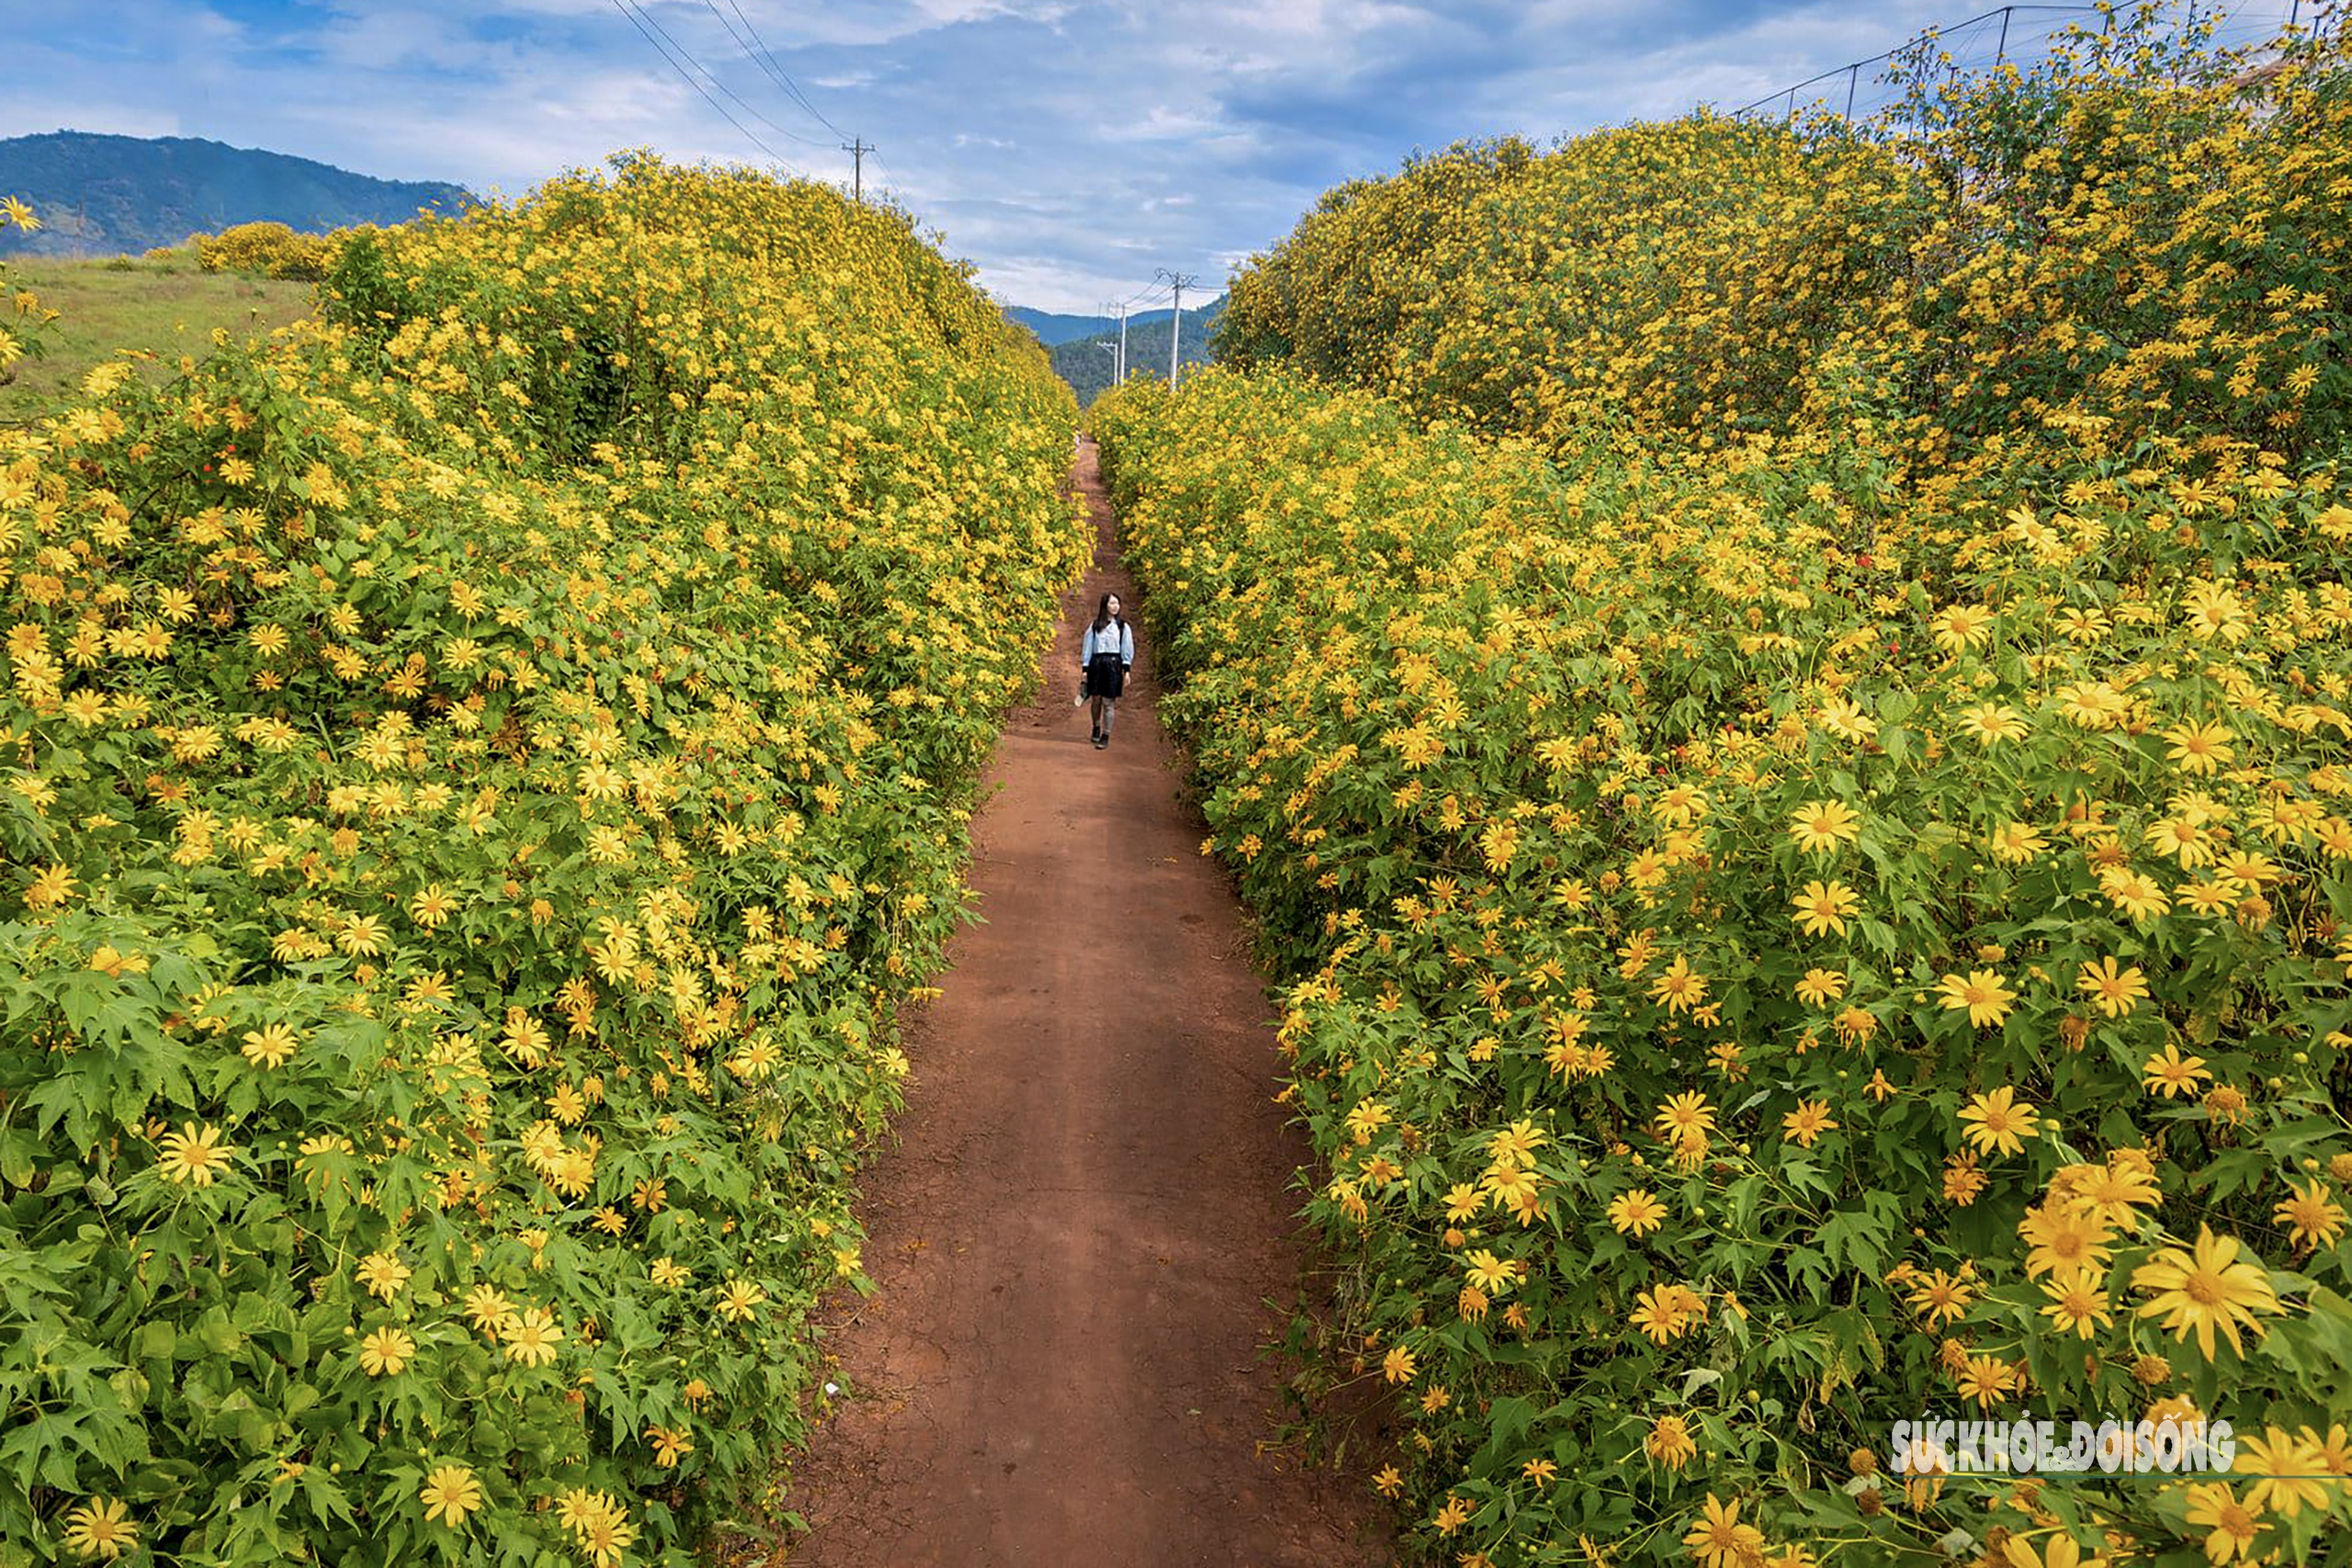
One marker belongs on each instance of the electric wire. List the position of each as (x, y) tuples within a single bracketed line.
[(622, 7), (756, 60), (766, 60), (715, 82)]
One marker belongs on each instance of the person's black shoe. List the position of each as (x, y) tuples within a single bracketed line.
[(1100, 741)]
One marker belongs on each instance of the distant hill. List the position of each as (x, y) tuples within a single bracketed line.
[(106, 194), (1053, 329), (1087, 369)]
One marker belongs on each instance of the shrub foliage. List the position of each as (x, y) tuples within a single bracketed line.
[(1789, 735), (480, 773)]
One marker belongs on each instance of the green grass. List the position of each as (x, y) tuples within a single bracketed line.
[(165, 309)]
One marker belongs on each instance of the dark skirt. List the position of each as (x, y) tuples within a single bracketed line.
[(1106, 677)]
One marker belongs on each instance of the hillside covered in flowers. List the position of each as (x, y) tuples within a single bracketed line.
[(478, 773), (1780, 690)]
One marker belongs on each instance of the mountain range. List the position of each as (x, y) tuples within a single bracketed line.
[(1053, 328), (100, 196), (1083, 364), (107, 195)]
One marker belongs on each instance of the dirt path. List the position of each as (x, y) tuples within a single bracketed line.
[(1077, 1237)]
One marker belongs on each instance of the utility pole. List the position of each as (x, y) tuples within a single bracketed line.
[(857, 149), (1179, 282), (1120, 373)]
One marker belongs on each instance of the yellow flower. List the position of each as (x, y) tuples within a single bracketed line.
[(1942, 1298), (193, 1155), (385, 1352), (431, 907), (2292, 1468), (2311, 1214), (1963, 627), (1985, 1380), (1669, 1442), (2200, 748), (2116, 992), (2134, 893), (1807, 1121), (1984, 995), (1719, 1540), (490, 1309), (2208, 1287), (1664, 1313), (2015, 843), (738, 1300), (50, 888), (1635, 1212), (2078, 1303), (271, 1045), (1398, 1366), (670, 1445), (451, 1493), (2169, 1073), (1489, 1273), (1990, 723), (1685, 1117), (102, 1527), (2058, 1551), (381, 1274), (1998, 1123), (1517, 1144), (2231, 1526), (532, 1337), (1680, 987), (1823, 906), (1820, 826), (1821, 987), (1844, 719)]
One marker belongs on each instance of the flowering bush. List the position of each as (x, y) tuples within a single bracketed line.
[(21, 328), (1743, 1000), (2142, 229), (1793, 924), (271, 249), (477, 777)]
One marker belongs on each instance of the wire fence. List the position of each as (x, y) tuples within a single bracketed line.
[(2020, 35)]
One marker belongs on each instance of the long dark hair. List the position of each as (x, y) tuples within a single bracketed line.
[(1102, 617)]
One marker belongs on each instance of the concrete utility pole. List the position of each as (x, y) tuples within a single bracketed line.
[(1120, 373), (1179, 282), (857, 149)]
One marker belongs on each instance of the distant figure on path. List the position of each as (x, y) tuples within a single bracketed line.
[(1106, 657)]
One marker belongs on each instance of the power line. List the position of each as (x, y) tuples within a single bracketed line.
[(622, 7), (858, 149), (715, 82), (1950, 37), (766, 60), (1178, 282), (754, 59)]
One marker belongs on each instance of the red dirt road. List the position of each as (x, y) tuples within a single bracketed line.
[(1090, 1204)]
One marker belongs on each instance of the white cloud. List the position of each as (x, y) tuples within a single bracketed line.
[(1067, 147)]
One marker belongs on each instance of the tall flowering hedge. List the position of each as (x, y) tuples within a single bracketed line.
[(1792, 925), (1742, 1000), (2141, 228), (478, 775)]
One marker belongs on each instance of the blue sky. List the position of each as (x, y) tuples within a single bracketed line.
[(1070, 149)]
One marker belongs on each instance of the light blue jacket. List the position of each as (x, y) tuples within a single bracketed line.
[(1118, 637)]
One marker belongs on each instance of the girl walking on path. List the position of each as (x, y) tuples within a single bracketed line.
[(1106, 655)]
